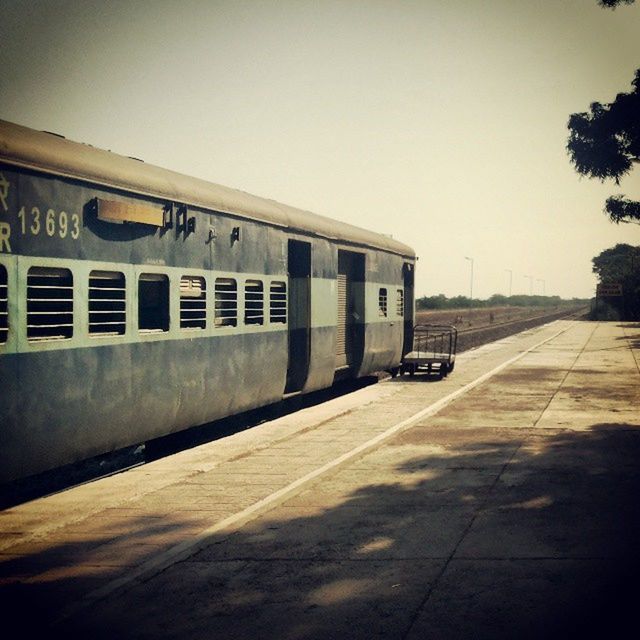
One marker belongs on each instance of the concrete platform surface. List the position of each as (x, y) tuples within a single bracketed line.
[(501, 502)]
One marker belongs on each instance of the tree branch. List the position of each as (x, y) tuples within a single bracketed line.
[(621, 209), (612, 4)]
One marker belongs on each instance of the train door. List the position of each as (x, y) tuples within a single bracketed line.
[(350, 327), (408, 277), (299, 314)]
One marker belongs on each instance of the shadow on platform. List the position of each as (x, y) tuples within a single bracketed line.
[(490, 535)]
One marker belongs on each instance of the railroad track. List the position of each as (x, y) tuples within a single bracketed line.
[(476, 336)]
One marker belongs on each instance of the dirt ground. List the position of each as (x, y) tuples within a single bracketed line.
[(481, 317)]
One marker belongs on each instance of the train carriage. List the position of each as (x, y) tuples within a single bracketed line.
[(136, 302)]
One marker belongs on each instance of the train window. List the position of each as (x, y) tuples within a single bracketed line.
[(107, 303), (278, 302), (49, 303), (4, 304), (226, 293), (153, 302), (253, 302), (400, 303), (382, 302), (193, 302)]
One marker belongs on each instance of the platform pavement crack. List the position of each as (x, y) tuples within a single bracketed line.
[(566, 375), (485, 500), (423, 603), (633, 351)]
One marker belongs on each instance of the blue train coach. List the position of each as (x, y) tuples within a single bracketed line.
[(136, 302)]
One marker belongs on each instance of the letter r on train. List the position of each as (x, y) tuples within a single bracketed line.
[(5, 227), (4, 192)]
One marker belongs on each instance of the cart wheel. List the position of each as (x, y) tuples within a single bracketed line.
[(394, 371), (443, 371)]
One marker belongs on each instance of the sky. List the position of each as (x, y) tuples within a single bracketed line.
[(442, 124)]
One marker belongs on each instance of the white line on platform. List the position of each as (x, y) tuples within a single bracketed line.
[(191, 546)]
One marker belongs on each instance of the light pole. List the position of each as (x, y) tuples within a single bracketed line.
[(471, 286), (530, 284), (544, 287), (510, 279)]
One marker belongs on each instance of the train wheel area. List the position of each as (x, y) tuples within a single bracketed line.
[(500, 502)]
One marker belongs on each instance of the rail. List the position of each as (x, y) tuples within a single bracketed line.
[(476, 336)]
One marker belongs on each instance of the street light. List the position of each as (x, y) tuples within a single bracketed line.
[(471, 285), (530, 284), (510, 279)]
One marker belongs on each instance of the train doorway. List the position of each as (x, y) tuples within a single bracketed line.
[(351, 321), (299, 314), (408, 278)]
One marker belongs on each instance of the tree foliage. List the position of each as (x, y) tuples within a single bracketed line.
[(621, 265), (604, 143), (612, 4), (616, 263), (496, 300), (621, 209)]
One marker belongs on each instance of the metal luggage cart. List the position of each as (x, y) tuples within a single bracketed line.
[(434, 350)]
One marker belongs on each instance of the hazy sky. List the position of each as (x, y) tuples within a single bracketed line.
[(440, 123)]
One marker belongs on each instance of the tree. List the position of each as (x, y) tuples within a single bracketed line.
[(605, 144), (613, 264), (621, 264), (612, 4)]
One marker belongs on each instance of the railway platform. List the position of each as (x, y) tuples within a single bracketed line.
[(499, 502)]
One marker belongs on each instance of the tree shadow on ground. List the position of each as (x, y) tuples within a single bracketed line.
[(439, 533), (632, 339)]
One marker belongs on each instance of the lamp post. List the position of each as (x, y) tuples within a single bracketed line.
[(530, 284), (544, 287), (471, 285), (510, 279)]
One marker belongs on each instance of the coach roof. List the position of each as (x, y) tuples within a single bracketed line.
[(55, 155)]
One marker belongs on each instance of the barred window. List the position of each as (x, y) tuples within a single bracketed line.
[(49, 303), (400, 303), (226, 310), (278, 302), (382, 302), (253, 302), (107, 303), (153, 302), (4, 304), (193, 302)]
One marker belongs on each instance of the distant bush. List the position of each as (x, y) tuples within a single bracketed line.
[(496, 300)]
